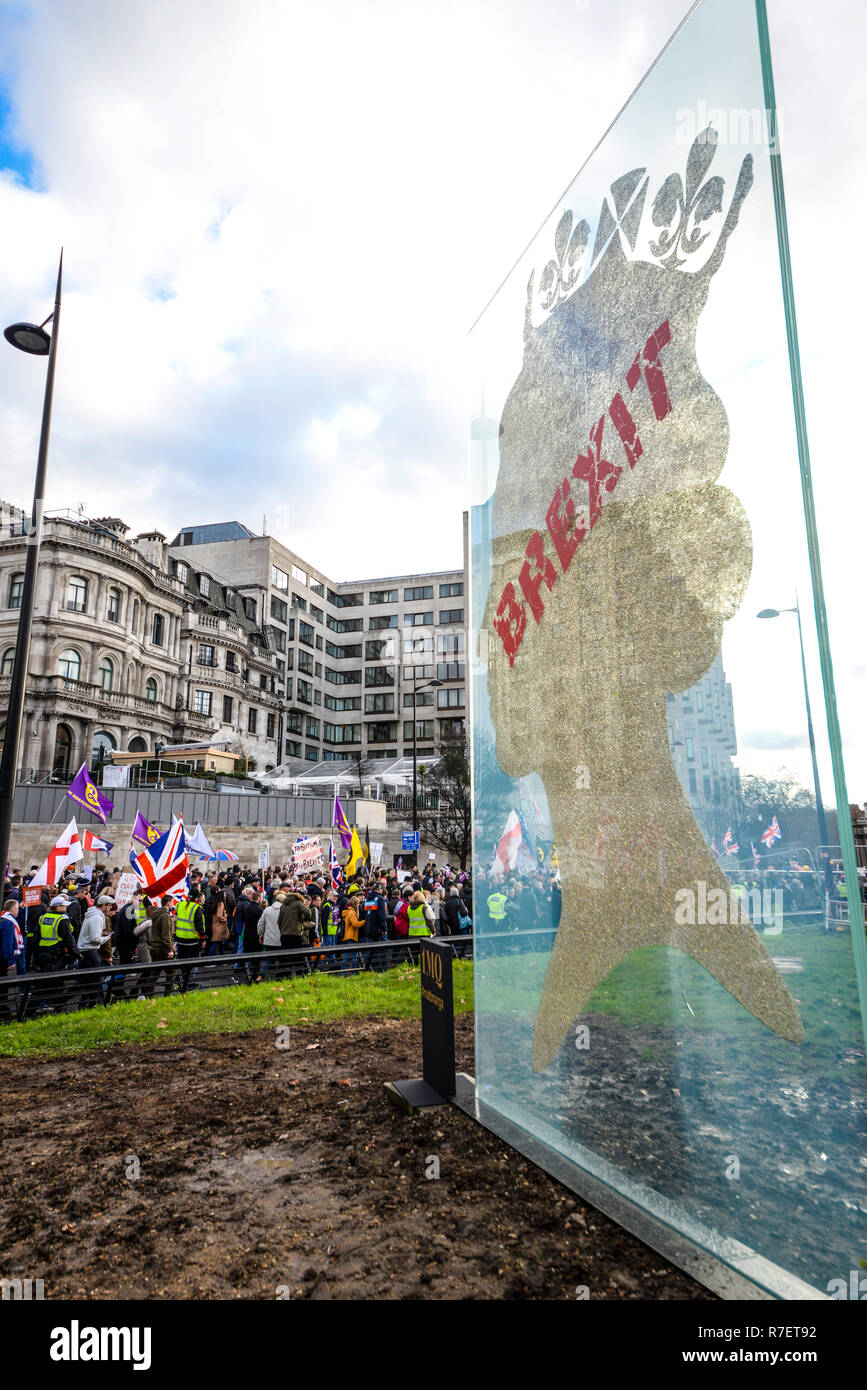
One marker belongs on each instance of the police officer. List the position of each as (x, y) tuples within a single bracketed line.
[(189, 930), (417, 914), (50, 941), (497, 908)]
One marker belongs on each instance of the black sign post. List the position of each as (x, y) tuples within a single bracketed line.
[(438, 1083)]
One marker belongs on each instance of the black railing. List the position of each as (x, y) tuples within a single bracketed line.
[(65, 991)]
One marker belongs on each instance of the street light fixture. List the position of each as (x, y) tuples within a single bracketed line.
[(31, 338), (428, 685), (817, 791)]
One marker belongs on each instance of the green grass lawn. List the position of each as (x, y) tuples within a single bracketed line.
[(305, 999)]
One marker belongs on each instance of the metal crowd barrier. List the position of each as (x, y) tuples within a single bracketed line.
[(65, 991)]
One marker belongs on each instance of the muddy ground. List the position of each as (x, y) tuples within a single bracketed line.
[(225, 1167)]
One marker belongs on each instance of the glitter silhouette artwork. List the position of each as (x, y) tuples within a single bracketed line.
[(616, 560)]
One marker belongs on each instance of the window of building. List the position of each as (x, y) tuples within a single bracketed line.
[(202, 701), (379, 675), (704, 757), (450, 670), (377, 621), (706, 787), (158, 630), (422, 673), (299, 603), (8, 662), (299, 574), (385, 732), (318, 643), (290, 631), (263, 681), (305, 692), (449, 643), (714, 764), (693, 784), (311, 754), (317, 697), (349, 653), (424, 729), (181, 571), (230, 662), (451, 591), (305, 662), (16, 589), (451, 699), (344, 624), (316, 613), (416, 647), (342, 677), (69, 665), (279, 579), (228, 709), (382, 753), (421, 697), (342, 733), (452, 728), (112, 611), (204, 586), (279, 638), (316, 587), (250, 609), (379, 704), (269, 726), (106, 674), (76, 595), (293, 749), (690, 749), (342, 702), (451, 615), (305, 633), (206, 655), (382, 596), (151, 690), (312, 727), (294, 722), (380, 649), (418, 592), (252, 720), (279, 609), (103, 747), (418, 619), (345, 600)]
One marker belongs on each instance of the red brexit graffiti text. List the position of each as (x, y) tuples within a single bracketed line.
[(599, 473)]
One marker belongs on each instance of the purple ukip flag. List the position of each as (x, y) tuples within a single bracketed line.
[(88, 795), (342, 824), (144, 833)]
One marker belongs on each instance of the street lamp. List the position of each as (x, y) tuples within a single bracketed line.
[(820, 809), (32, 338), (428, 685)]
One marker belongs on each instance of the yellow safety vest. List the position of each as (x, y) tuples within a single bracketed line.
[(497, 906), (185, 929), (49, 935), (417, 921)]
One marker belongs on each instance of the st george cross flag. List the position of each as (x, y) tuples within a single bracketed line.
[(67, 851), (95, 844), (162, 868), (772, 833), (82, 790), (343, 825), (506, 853), (142, 832)]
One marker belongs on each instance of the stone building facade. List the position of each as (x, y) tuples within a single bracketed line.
[(116, 646)]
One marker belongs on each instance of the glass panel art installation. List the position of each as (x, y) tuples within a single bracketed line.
[(668, 915)]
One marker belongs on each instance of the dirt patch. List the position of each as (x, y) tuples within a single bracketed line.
[(230, 1168)]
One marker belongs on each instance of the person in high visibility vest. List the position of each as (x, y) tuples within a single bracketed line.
[(420, 916), (497, 908), (189, 930)]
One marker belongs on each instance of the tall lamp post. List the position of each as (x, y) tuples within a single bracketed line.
[(32, 338), (427, 685), (817, 791)]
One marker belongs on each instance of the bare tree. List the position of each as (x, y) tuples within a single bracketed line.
[(448, 819)]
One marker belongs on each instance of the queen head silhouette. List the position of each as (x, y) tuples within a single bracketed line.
[(616, 560)]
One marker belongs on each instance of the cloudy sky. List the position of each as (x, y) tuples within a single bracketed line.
[(280, 220)]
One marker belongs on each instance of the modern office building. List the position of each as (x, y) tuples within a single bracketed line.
[(701, 732), (350, 655)]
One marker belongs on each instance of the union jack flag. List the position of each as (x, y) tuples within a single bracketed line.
[(755, 854), (772, 833), (336, 871), (162, 867), (728, 843)]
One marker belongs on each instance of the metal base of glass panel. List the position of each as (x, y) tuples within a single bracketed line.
[(726, 1267)]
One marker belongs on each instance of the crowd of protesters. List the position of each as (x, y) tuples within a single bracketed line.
[(240, 911)]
